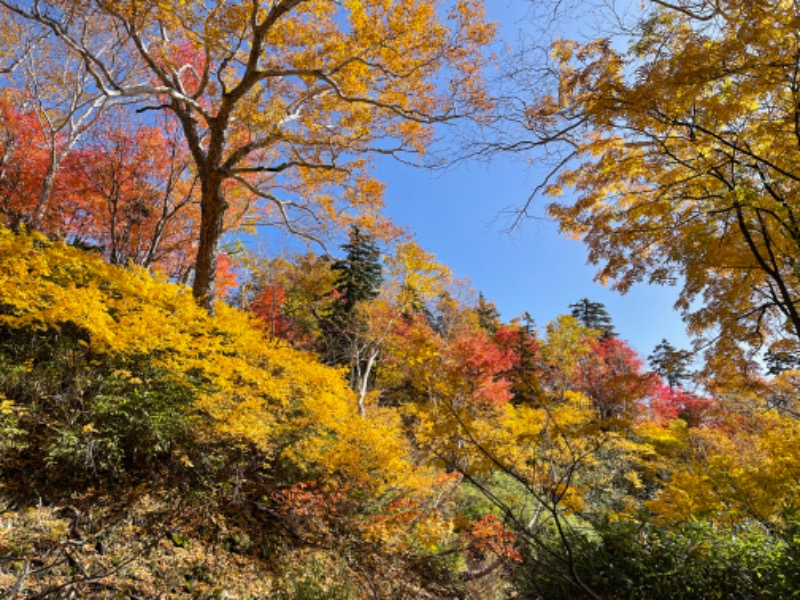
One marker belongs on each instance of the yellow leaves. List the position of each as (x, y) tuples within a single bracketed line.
[(247, 391), (650, 130), (525, 424), (563, 50), (320, 84), (414, 274), (416, 519), (750, 472), (669, 440), (567, 342), (125, 311), (554, 190), (7, 407)]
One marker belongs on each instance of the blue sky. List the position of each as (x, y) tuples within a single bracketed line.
[(454, 215), (457, 215)]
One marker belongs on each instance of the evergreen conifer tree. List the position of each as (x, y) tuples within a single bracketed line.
[(358, 279), (669, 362), (488, 315), (359, 274), (524, 375), (594, 316)]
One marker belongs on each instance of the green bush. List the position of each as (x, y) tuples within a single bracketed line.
[(74, 414), (698, 561)]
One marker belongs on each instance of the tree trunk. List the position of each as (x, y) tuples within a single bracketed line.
[(46, 191), (212, 206), (364, 382)]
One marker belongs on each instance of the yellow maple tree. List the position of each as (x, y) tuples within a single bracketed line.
[(283, 102), (679, 160)]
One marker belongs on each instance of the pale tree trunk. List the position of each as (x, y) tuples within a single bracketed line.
[(364, 380), (46, 191), (71, 126)]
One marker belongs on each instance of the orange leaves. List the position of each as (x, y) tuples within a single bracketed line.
[(227, 278), (481, 364), (488, 536), (25, 152), (309, 500), (125, 192), (245, 391), (282, 103)]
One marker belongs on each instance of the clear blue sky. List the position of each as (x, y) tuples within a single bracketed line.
[(457, 215)]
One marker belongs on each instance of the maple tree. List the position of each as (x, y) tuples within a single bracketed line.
[(57, 92), (125, 193), (141, 199), (138, 378), (289, 294), (281, 103), (681, 150), (26, 169), (148, 444), (667, 402), (613, 377), (476, 461)]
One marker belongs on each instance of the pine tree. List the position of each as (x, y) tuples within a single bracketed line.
[(594, 316), (528, 323), (780, 361), (359, 273), (669, 362), (358, 279), (524, 375), (488, 316)]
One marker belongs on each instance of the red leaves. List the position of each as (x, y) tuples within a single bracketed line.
[(309, 499), (139, 197), (227, 278), (24, 157), (479, 356), (126, 193), (613, 377), (488, 535), (480, 363), (673, 403)]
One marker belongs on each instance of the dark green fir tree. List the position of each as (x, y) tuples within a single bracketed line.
[(488, 316), (358, 279), (359, 274), (594, 316), (669, 362)]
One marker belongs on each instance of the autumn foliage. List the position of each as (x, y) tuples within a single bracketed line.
[(186, 418), (471, 445), (137, 352)]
